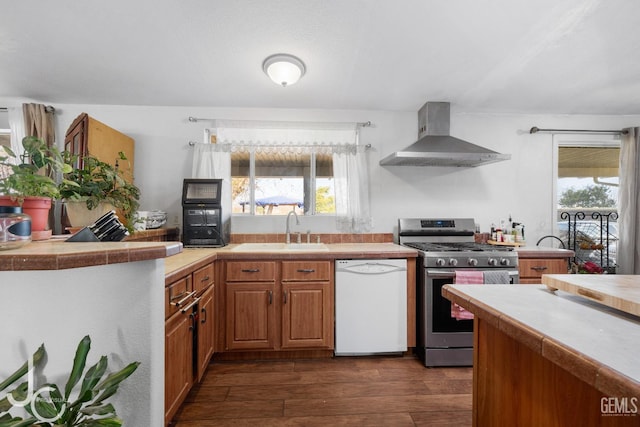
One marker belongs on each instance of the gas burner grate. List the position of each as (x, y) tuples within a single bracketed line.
[(455, 247)]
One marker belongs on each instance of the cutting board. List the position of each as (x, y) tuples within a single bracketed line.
[(621, 292)]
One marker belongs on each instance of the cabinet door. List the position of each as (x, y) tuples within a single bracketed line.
[(307, 315), (206, 331), (250, 316), (202, 278), (531, 270), (178, 368)]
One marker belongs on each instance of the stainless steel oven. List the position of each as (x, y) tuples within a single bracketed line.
[(446, 246)]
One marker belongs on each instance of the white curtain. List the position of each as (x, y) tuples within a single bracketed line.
[(628, 257), (350, 173), (16, 124), (214, 161), (350, 165)]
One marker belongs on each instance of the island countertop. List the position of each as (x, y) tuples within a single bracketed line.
[(58, 254), (597, 344)]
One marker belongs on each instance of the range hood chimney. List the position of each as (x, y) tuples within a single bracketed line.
[(435, 147)]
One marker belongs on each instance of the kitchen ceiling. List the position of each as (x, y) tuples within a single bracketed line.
[(519, 56)]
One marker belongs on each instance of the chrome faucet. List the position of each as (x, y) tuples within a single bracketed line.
[(288, 227)]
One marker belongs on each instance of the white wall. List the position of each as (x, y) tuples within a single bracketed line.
[(120, 306), (521, 186)]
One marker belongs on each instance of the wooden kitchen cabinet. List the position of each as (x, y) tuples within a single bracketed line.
[(87, 135), (307, 304), (532, 269), (178, 368), (189, 332), (250, 305), (279, 305), (206, 331)]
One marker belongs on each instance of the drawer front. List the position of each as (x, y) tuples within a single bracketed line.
[(249, 271), (175, 293), (306, 270), (535, 268), (202, 278)]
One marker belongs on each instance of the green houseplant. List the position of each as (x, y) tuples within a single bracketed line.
[(86, 407), (31, 182), (96, 182)]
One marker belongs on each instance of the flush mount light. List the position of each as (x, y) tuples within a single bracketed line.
[(283, 69)]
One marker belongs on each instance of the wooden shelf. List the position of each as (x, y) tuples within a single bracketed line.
[(515, 244)]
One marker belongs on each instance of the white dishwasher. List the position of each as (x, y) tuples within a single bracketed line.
[(371, 306)]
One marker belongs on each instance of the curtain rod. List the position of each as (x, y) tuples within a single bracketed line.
[(367, 146), (612, 132), (196, 119)]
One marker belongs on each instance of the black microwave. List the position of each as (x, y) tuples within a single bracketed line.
[(201, 191)]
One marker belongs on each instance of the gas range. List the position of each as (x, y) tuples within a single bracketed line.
[(450, 242)]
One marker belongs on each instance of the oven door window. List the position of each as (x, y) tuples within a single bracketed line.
[(441, 319)]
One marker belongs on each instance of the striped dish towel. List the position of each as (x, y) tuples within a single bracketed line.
[(465, 278)]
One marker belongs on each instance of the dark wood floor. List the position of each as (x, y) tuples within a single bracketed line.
[(342, 391)]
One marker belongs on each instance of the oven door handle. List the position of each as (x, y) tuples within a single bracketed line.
[(441, 274)]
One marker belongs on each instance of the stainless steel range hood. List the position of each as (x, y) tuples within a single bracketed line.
[(435, 147)]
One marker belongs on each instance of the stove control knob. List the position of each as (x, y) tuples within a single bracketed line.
[(492, 261), (504, 261), (440, 262), (472, 262), (453, 262)]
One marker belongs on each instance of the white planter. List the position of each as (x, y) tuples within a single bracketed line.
[(80, 216)]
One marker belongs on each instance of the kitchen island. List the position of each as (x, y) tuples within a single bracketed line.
[(56, 292), (550, 358)]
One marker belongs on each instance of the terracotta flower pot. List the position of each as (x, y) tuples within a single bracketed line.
[(38, 209)]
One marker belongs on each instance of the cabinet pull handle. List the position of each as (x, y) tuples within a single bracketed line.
[(190, 306), (539, 268), (285, 296), (270, 297), (204, 317), (250, 270), (306, 270), (192, 318), (205, 279), (184, 299)]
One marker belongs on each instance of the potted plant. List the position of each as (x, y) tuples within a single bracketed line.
[(31, 183), (95, 184), (52, 406)]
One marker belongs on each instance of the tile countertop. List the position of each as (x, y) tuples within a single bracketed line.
[(58, 254), (597, 344), (196, 256)]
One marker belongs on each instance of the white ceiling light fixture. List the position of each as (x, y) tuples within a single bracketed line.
[(284, 69)]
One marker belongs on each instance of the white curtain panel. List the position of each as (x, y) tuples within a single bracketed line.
[(213, 161), (16, 124), (353, 204), (628, 257)]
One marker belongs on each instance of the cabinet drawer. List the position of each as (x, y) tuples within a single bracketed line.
[(306, 270), (176, 292), (248, 271), (535, 268), (202, 278)]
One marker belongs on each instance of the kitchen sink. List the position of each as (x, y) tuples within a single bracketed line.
[(281, 247)]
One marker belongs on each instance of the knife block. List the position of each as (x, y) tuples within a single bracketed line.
[(84, 235)]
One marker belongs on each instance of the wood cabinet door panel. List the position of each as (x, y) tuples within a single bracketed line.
[(250, 309), (202, 278), (306, 270), (206, 331), (174, 293), (178, 370), (535, 268), (307, 315), (250, 271)]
